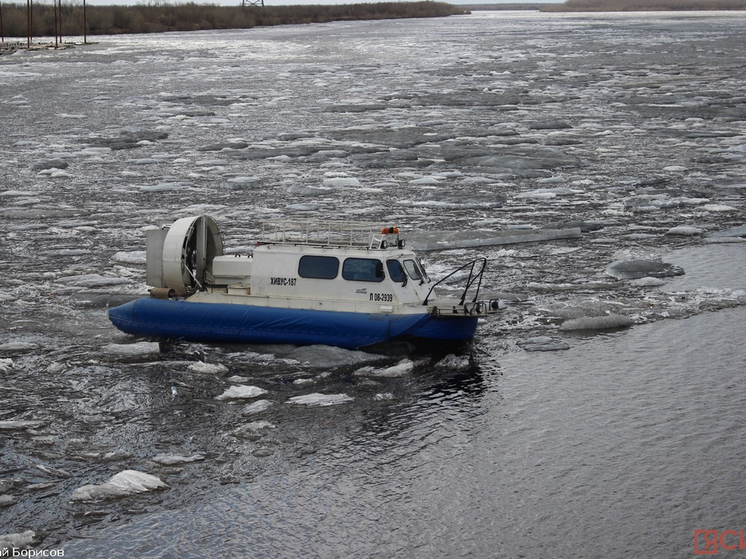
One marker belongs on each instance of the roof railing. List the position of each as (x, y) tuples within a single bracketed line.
[(359, 234)]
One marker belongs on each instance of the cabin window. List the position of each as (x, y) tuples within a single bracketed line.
[(422, 269), (318, 267), (363, 269), (396, 272), (412, 269)]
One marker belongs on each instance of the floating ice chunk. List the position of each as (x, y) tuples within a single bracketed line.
[(94, 151), (634, 269), (549, 193), (208, 368), (6, 501), (22, 540), (399, 370), (538, 195), (133, 257), (734, 232), (303, 381), (17, 347), (5, 297), (607, 322), (318, 399), (56, 174), (384, 397), (162, 187), (718, 208), (18, 424), (240, 182), (426, 181), (684, 230), (19, 193), (92, 280), (330, 356), (139, 349), (127, 482), (256, 407), (300, 190), (174, 459), (241, 392), (675, 169), (446, 240), (251, 430), (341, 182), (50, 471), (648, 282), (5, 365), (455, 362)]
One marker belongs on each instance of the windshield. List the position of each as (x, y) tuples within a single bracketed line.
[(396, 272), (412, 269)]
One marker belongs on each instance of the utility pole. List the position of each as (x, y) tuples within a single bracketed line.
[(29, 6), (85, 26), (60, 30), (56, 24)]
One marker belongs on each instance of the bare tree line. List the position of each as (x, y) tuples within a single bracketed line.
[(155, 17)]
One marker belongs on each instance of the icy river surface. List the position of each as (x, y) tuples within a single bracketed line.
[(601, 415)]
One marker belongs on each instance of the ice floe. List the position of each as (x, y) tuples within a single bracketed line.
[(176, 459), (256, 407), (607, 322), (208, 368), (18, 347), (137, 349), (641, 268), (685, 230), (241, 393), (252, 430), (648, 282), (123, 484), (131, 257), (92, 280), (12, 543), (401, 369), (318, 399), (454, 362), (6, 501), (341, 182), (19, 424), (446, 240), (733, 232)]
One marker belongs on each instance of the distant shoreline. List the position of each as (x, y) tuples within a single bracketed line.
[(162, 17), (617, 6)]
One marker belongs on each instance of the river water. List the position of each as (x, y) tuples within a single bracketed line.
[(551, 435)]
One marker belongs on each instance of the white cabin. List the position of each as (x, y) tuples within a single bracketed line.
[(343, 266)]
